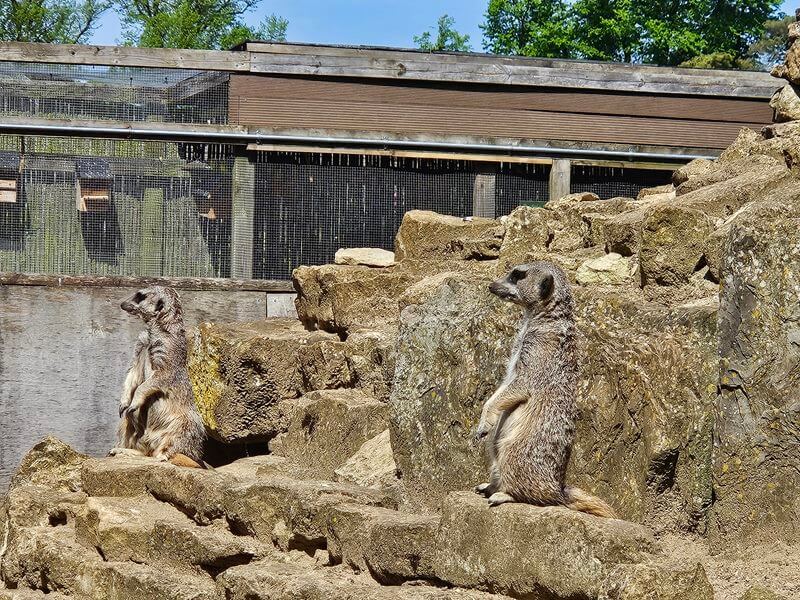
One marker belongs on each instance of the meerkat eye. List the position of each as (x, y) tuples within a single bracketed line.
[(159, 305)]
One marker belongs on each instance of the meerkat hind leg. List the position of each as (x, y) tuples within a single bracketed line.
[(499, 498)]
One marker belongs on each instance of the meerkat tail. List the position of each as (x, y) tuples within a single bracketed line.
[(577, 499), (181, 460)]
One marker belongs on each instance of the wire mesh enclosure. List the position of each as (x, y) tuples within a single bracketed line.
[(309, 205), (114, 207), (611, 182), (93, 92)]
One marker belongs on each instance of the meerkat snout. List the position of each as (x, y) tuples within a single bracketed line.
[(529, 285)]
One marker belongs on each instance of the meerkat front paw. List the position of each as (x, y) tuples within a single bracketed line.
[(499, 498), (484, 489), (484, 428)]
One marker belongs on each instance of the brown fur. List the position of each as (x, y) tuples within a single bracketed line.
[(159, 417), (530, 419)]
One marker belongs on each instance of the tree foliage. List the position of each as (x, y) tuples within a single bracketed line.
[(447, 38), (770, 48), (194, 23), (50, 21), (529, 28), (665, 32)]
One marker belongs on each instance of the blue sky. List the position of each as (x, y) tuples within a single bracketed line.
[(370, 22)]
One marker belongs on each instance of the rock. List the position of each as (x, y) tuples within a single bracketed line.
[(364, 361), (610, 269), (574, 227), (729, 185), (622, 232), (372, 465), (529, 552), (328, 427), (390, 545), (648, 374), (256, 507), (672, 239), (369, 257), (657, 582), (786, 104), (663, 191), (527, 230), (755, 475), (240, 374), (699, 167), (759, 593), (342, 299), (275, 581), (51, 463), (790, 69), (425, 234), (450, 356)]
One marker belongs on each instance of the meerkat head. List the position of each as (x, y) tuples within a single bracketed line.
[(154, 303), (536, 286)]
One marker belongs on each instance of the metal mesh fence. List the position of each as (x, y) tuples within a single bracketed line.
[(93, 92), (114, 207), (611, 182), (309, 205)]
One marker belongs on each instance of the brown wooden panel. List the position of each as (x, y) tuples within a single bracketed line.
[(435, 122), (245, 88)]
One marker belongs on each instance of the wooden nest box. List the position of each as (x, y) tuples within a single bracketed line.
[(9, 177), (94, 183)]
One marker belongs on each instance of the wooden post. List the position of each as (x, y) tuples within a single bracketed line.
[(559, 178), (483, 194), (151, 251), (242, 213)]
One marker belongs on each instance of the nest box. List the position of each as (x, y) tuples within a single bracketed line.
[(94, 183)]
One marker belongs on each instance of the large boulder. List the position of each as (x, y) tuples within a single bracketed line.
[(372, 465), (755, 464), (240, 373), (609, 269), (328, 427), (426, 234), (531, 552), (527, 230), (451, 353)]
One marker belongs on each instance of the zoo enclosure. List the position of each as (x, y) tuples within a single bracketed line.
[(112, 165)]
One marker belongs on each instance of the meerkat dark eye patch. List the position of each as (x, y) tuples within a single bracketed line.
[(517, 275), (159, 305), (138, 297), (546, 285)]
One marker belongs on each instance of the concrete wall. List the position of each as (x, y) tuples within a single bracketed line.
[(63, 355)]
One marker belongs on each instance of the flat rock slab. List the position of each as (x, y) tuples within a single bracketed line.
[(328, 427), (527, 551), (426, 234), (286, 581), (369, 257), (392, 546), (372, 465)]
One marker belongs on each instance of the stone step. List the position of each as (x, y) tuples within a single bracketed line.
[(28, 594), (51, 560), (144, 530), (392, 546), (252, 505), (327, 427), (274, 581), (528, 551)]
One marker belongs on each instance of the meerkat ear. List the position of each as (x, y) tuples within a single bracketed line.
[(546, 285)]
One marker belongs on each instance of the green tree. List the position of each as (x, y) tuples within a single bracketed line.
[(193, 23), (770, 48), (447, 38), (607, 30), (50, 21), (529, 28)]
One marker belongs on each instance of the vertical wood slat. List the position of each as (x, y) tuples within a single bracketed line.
[(559, 178), (243, 211)]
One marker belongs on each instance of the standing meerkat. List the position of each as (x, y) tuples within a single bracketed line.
[(158, 415), (530, 418)]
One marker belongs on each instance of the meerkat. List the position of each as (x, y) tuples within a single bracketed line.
[(158, 416), (530, 418)]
